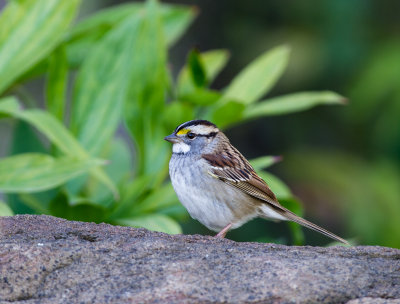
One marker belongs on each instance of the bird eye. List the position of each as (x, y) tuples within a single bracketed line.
[(191, 135)]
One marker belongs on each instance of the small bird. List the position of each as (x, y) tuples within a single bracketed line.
[(218, 186)]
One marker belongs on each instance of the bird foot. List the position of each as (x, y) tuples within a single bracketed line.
[(224, 231)]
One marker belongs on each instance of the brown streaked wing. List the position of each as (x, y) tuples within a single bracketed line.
[(236, 171)]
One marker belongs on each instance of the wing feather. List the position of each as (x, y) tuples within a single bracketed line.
[(236, 171)]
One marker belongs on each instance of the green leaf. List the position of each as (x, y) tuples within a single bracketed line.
[(277, 186), (201, 97), (119, 168), (147, 92), (149, 76), (102, 85), (196, 69), (175, 20), (227, 113), (292, 103), (259, 76), (163, 197), (30, 30), (55, 132), (9, 105), (155, 222), (176, 112), (45, 123), (131, 192), (32, 172), (157, 150), (264, 162), (5, 210), (120, 160), (26, 140), (103, 21), (212, 61), (57, 81)]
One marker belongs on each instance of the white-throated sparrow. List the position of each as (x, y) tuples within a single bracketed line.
[(217, 185)]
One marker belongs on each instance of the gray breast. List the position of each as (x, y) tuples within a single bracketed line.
[(209, 200)]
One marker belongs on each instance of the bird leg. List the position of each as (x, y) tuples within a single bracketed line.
[(224, 231)]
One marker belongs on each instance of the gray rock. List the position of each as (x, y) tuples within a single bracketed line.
[(368, 300), (44, 259)]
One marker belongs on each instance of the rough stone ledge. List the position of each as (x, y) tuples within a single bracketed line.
[(44, 259)]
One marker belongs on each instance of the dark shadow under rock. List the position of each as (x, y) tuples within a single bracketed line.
[(44, 259)]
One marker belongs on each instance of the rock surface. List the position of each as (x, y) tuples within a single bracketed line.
[(44, 259)]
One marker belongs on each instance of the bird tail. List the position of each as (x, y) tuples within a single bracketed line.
[(287, 214), (293, 217)]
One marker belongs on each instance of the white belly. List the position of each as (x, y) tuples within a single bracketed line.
[(208, 200)]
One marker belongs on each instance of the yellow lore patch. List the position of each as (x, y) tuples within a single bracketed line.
[(183, 132)]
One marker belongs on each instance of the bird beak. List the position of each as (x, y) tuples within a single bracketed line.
[(172, 138)]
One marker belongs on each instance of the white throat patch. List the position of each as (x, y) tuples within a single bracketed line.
[(180, 148)]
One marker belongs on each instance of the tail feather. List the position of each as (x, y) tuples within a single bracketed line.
[(293, 217), (287, 214)]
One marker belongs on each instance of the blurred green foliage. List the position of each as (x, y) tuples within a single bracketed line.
[(363, 180), (98, 153), (367, 192)]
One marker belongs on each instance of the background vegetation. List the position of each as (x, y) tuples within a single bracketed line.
[(89, 101)]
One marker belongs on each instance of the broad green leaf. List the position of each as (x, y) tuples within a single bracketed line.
[(57, 81), (201, 97), (131, 193), (149, 76), (32, 172), (102, 85), (264, 162), (163, 197), (292, 103), (196, 69), (120, 160), (83, 38), (26, 140), (227, 113), (9, 104), (147, 92), (175, 20), (259, 76), (155, 222), (29, 30), (277, 186), (5, 210), (177, 112), (55, 132), (119, 169), (213, 62), (45, 123), (157, 150)]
